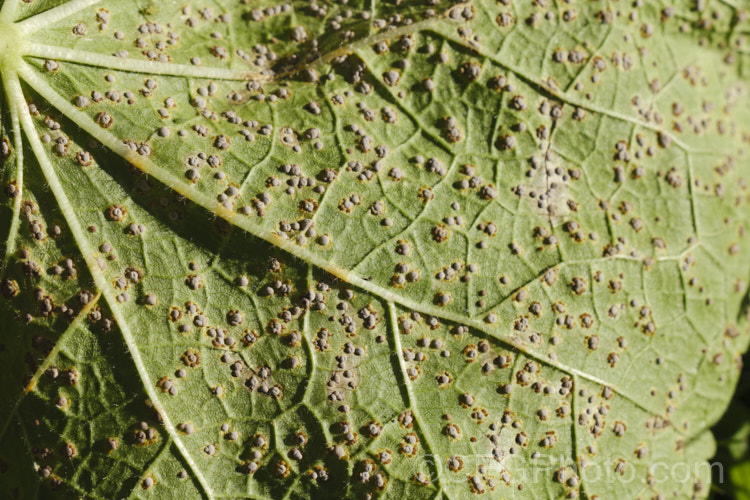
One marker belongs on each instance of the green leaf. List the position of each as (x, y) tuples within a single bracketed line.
[(730, 470), (732, 434), (738, 476), (423, 249)]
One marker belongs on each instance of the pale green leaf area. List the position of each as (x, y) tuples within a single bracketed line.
[(367, 249)]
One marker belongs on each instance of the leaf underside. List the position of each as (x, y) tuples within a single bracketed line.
[(318, 249)]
